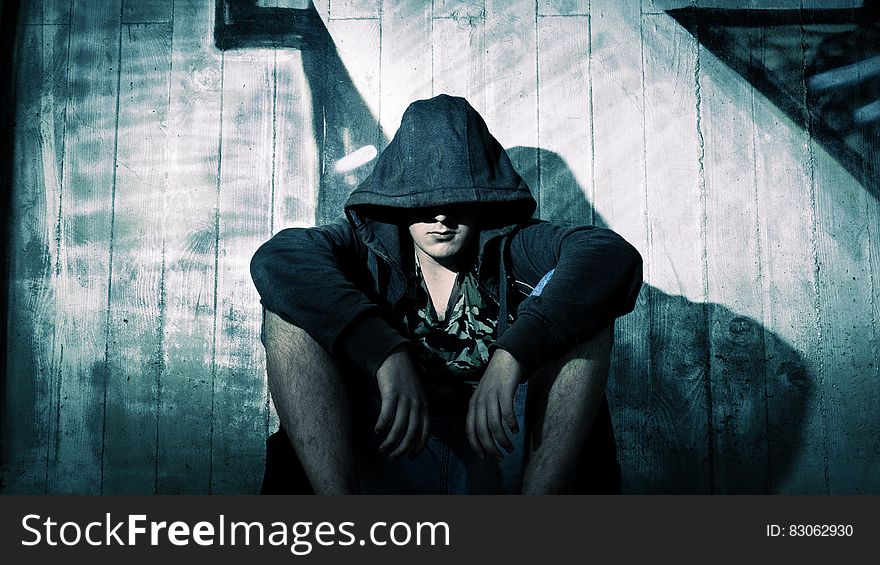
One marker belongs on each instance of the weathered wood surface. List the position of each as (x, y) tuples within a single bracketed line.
[(82, 276), (32, 403), (136, 310), (620, 188), (793, 364), (148, 172), (185, 402), (240, 416), (736, 336)]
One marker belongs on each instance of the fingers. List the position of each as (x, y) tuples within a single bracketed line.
[(398, 429), (483, 432), (487, 415), (496, 427), (412, 431), (508, 412), (385, 415)]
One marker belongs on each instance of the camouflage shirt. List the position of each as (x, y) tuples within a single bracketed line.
[(451, 354)]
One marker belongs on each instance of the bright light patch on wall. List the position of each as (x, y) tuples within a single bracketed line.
[(356, 159)]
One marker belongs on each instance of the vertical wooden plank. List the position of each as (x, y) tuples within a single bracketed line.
[(617, 83), (676, 216), (351, 107), (349, 9), (82, 273), (459, 52), (55, 11), (31, 380), (190, 200), (564, 7), (794, 363), (511, 72), (871, 148), (137, 302), (44, 11), (564, 137), (323, 8), (846, 329), (148, 11), (739, 412), (296, 155), (240, 393), (846, 337), (511, 103), (406, 58), (31, 13)]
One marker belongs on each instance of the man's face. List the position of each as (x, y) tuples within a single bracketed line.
[(443, 234)]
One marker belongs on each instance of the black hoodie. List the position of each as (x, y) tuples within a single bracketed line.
[(343, 282)]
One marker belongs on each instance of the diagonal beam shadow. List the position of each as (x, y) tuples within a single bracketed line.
[(342, 121), (819, 66)]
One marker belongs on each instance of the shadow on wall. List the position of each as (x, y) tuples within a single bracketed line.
[(9, 42), (819, 65), (758, 397), (342, 121)]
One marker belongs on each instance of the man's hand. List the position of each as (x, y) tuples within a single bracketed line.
[(491, 405), (404, 408)]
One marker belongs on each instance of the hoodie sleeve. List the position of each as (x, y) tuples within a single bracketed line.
[(597, 276), (311, 277)]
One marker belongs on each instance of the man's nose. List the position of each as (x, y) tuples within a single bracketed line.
[(441, 218)]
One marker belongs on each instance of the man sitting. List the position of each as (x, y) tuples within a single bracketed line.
[(437, 339)]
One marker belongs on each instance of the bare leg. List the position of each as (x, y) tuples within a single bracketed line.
[(309, 394), (564, 398)]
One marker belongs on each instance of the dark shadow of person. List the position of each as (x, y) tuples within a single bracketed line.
[(703, 399)]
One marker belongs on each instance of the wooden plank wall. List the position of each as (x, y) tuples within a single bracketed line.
[(149, 165)]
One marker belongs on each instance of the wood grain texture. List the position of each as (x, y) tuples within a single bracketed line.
[(676, 212), (871, 147), (794, 365), (31, 404), (737, 359), (457, 9), (190, 210), (82, 274), (563, 7), (459, 53), (147, 11), (845, 321), (135, 360), (45, 12), (511, 71), (620, 200), (345, 9), (348, 77), (565, 188), (406, 64), (240, 416)]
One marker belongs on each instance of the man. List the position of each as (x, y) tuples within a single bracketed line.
[(438, 340)]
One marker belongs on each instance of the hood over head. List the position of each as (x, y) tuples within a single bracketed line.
[(442, 154)]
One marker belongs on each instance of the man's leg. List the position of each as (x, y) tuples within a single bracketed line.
[(564, 398), (310, 395)]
